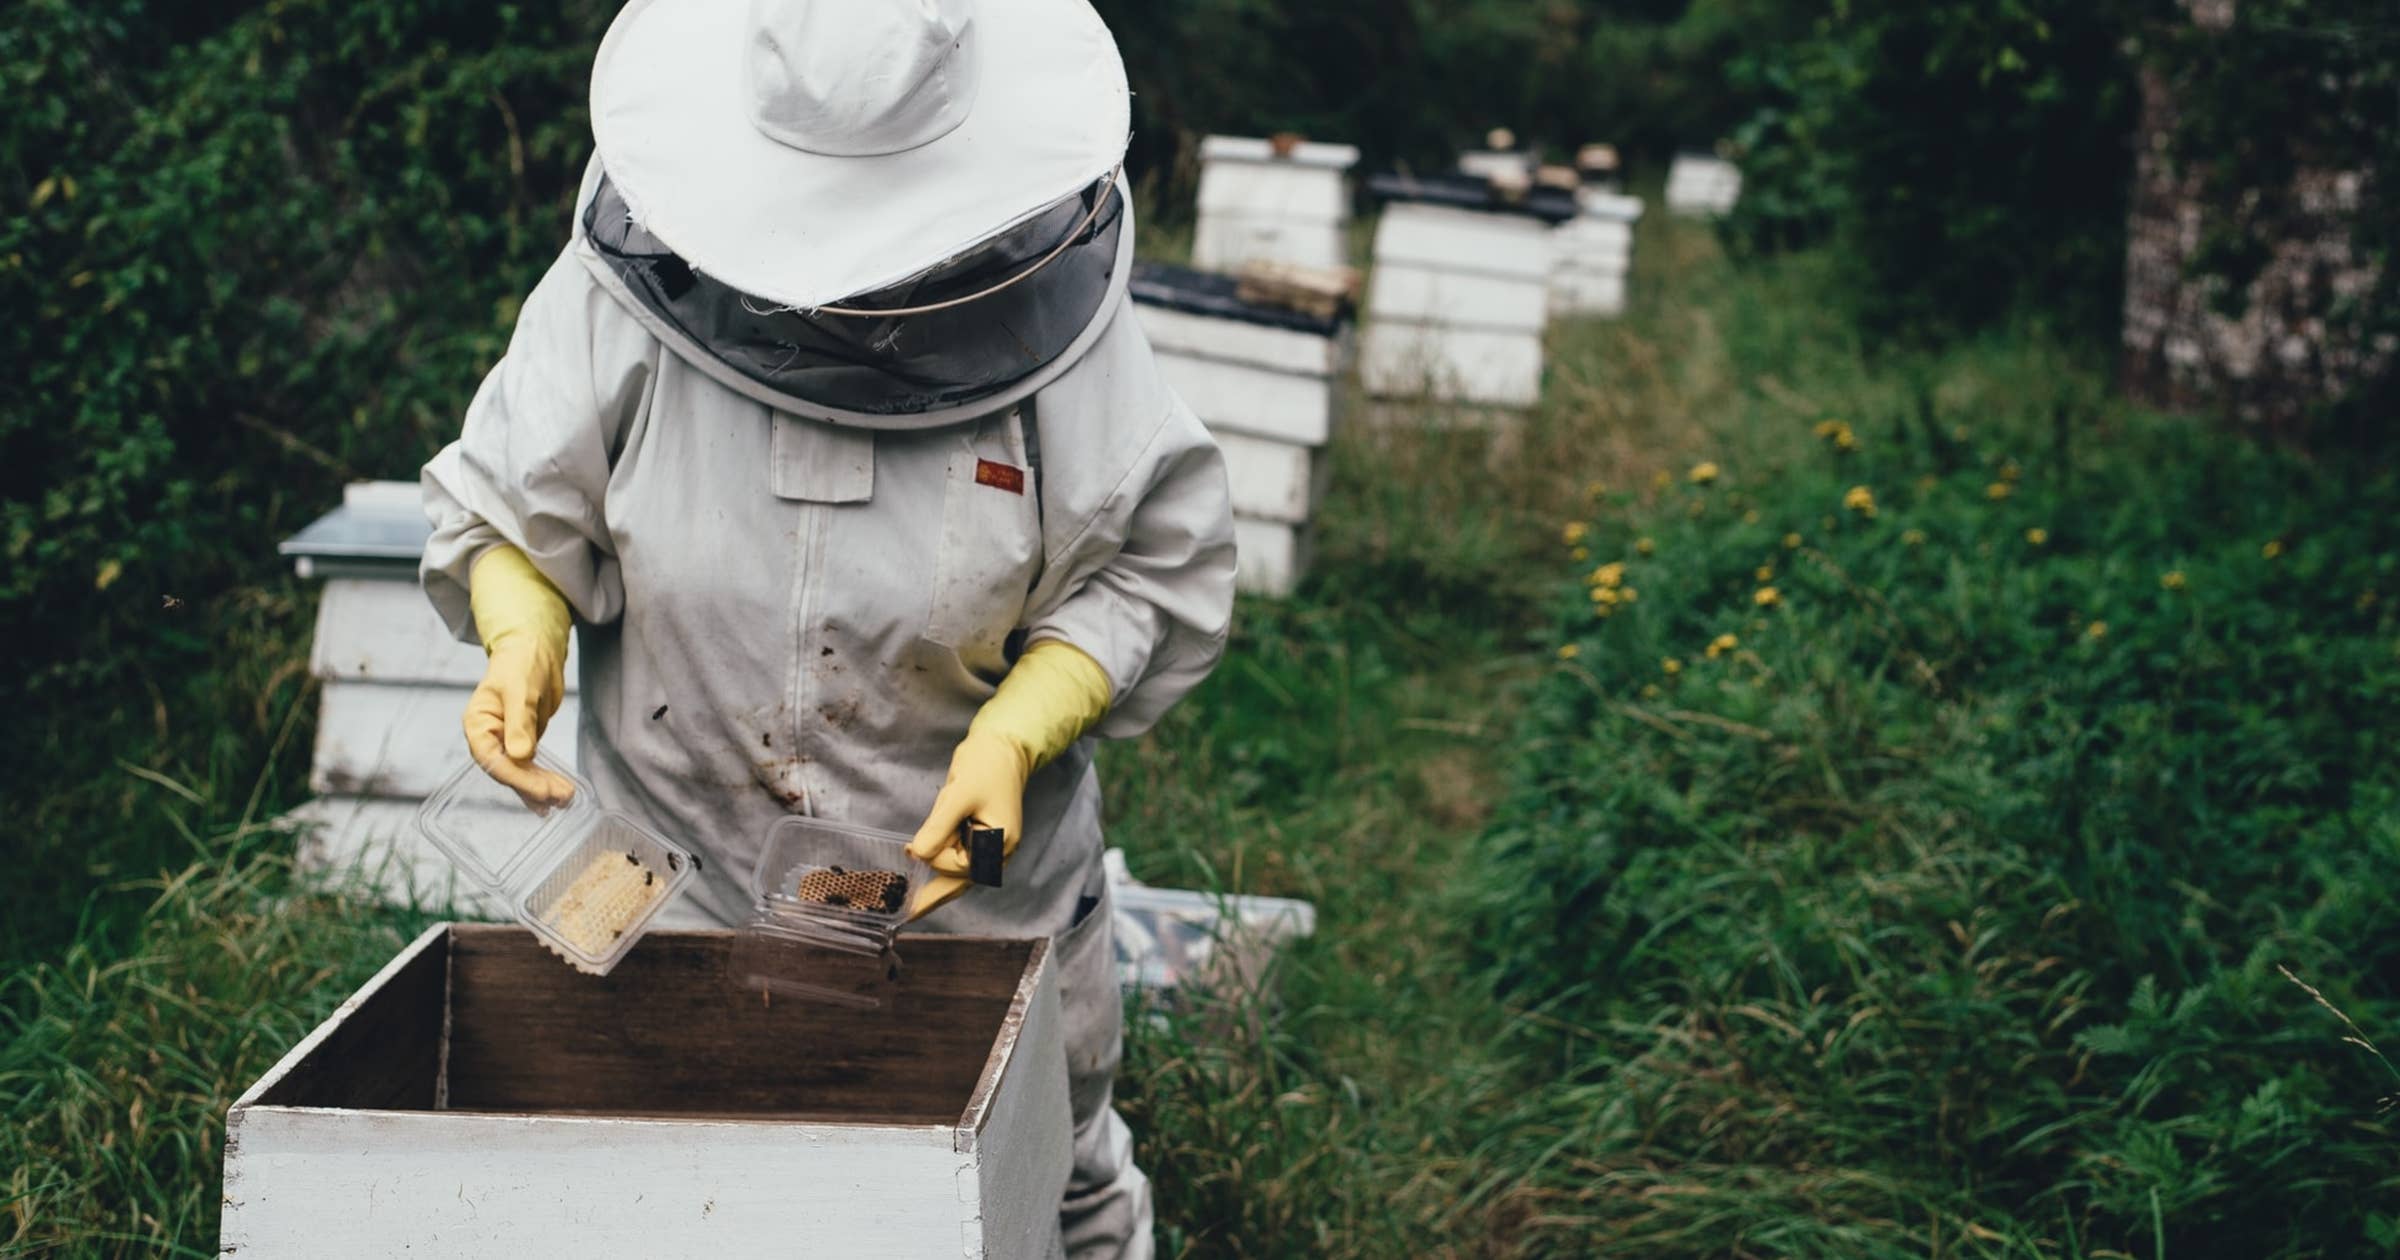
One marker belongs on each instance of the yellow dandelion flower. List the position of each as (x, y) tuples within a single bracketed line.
[(2096, 630), (2172, 579), (1593, 490), (2011, 472), (1670, 667), (1569, 652), (1649, 691), (2037, 536), (1643, 546), (1604, 611), (2273, 548), (1579, 555), (1722, 644), (1661, 479), (1827, 428), (1605, 596), (1764, 573), (1750, 517), (1859, 499), (1767, 597), (1791, 542), (1610, 574), (1845, 441), (1572, 532), (1627, 595), (1998, 490), (1912, 537), (1704, 472)]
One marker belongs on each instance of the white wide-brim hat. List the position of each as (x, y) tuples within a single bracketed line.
[(806, 151)]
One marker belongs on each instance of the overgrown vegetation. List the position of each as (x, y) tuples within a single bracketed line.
[(1920, 919), (1969, 160), (1910, 837)]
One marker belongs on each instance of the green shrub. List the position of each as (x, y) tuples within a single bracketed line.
[(1939, 904), (1970, 159), (252, 251)]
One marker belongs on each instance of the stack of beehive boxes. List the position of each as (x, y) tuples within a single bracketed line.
[(1595, 254), (393, 684), (1263, 379), (1460, 295), (1701, 185), (1272, 200)]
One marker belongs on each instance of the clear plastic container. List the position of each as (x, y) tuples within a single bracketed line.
[(587, 880), (830, 899)]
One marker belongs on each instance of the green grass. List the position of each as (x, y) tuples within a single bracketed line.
[(1777, 960)]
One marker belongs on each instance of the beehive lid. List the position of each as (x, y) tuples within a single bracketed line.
[(1550, 205), (1216, 296), (1333, 157), (379, 531)]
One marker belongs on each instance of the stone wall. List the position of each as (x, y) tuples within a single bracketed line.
[(2282, 353)]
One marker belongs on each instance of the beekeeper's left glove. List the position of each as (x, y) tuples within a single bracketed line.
[(1052, 695), (524, 622)]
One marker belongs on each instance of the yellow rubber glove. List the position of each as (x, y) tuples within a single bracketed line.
[(524, 622), (1052, 695)]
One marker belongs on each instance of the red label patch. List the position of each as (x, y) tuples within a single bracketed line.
[(999, 476)]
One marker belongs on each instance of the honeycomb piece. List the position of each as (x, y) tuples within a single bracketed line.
[(873, 891), (603, 901)]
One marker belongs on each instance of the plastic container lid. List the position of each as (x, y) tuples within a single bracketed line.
[(587, 880), (830, 898)]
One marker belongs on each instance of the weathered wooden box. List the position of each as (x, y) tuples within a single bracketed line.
[(1264, 381), (1260, 205), (476, 1098)]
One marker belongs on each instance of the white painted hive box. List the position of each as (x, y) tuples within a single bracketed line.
[(1702, 186), (1460, 294), (1594, 254), (1258, 205), (1265, 382), (477, 1099), (393, 684)]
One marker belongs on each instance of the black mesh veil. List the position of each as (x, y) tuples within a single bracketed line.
[(893, 365)]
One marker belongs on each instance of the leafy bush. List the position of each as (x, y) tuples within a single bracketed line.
[(251, 251), (1910, 837), (1971, 159)]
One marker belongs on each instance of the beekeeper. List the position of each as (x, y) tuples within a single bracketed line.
[(833, 430)]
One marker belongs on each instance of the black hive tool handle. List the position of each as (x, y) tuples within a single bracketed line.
[(987, 848)]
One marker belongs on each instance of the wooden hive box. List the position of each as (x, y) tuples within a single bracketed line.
[(1264, 381), (392, 685), (1460, 295), (1594, 254), (1258, 205), (477, 1099), (1702, 185)]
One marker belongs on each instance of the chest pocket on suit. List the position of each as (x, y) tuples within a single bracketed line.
[(990, 551)]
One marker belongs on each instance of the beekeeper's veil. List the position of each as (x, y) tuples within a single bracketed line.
[(897, 213)]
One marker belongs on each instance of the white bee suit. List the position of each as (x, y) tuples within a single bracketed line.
[(779, 615)]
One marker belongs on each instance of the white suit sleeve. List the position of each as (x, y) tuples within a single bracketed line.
[(1143, 582), (531, 465)]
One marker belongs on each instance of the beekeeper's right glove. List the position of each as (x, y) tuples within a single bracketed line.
[(524, 622)]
